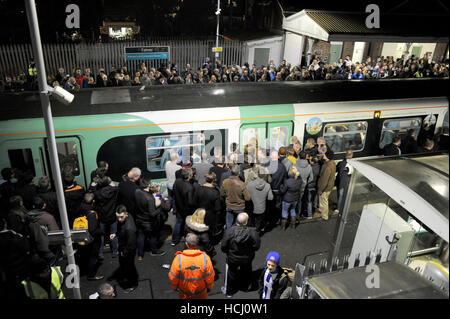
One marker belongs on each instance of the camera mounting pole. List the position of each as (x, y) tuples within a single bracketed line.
[(48, 119)]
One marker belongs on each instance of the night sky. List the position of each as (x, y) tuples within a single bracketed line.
[(193, 17)]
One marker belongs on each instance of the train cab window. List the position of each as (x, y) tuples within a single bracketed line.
[(68, 157), (22, 159), (345, 136), (188, 146), (398, 127)]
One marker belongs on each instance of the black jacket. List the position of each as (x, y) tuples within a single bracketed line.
[(183, 193), (27, 192), (342, 177), (126, 234), (240, 244), (278, 172), (105, 199), (278, 286), (93, 220), (146, 210), (290, 189), (127, 189), (391, 149), (209, 199), (74, 196), (409, 145)]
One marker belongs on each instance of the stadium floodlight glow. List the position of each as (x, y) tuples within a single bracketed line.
[(62, 95)]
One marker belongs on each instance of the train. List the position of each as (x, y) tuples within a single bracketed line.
[(139, 126)]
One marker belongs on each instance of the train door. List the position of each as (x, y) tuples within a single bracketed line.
[(26, 156), (70, 158), (268, 135)]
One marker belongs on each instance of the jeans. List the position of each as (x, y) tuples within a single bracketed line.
[(146, 231), (340, 204), (178, 229), (312, 194), (288, 207), (231, 217), (114, 243), (171, 200)]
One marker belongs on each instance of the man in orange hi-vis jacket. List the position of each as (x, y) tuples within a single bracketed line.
[(192, 272)]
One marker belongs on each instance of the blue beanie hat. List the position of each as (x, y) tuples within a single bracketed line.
[(274, 256)]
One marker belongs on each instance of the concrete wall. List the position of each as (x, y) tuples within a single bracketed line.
[(293, 48), (440, 51), (274, 44)]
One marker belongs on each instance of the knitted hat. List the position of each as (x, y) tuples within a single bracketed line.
[(274, 256)]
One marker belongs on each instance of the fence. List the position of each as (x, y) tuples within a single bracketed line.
[(14, 59)]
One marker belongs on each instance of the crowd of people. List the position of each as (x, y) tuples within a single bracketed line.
[(216, 72), (232, 200)]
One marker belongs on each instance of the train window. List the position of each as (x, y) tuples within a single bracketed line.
[(253, 135), (22, 159), (188, 146), (445, 123), (279, 136), (345, 136), (398, 127), (68, 157)]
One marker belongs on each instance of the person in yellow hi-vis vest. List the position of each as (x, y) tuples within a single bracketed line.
[(34, 290)]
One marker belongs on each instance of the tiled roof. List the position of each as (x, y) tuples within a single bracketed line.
[(354, 23)]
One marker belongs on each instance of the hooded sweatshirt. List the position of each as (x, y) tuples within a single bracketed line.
[(306, 172), (105, 199), (259, 191)]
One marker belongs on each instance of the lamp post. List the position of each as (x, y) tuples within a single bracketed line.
[(217, 29), (45, 91)]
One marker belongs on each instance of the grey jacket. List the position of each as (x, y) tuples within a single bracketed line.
[(306, 172), (260, 191)]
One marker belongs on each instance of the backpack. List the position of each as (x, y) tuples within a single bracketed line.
[(82, 223)]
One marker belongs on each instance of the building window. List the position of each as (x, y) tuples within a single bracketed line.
[(188, 146), (345, 136), (398, 127)]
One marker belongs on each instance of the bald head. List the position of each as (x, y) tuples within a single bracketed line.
[(242, 219), (191, 240), (134, 174), (348, 154)]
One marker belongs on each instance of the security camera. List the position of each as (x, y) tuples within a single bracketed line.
[(218, 12), (62, 95)]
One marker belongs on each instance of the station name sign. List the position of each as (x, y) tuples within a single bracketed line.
[(147, 53)]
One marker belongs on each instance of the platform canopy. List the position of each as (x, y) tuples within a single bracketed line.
[(419, 183), (351, 26)]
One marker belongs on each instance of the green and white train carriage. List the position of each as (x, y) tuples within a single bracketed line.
[(131, 127)]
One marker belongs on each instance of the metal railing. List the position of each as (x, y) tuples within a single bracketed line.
[(15, 58)]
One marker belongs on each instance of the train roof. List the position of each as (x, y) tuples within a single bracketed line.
[(172, 97)]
